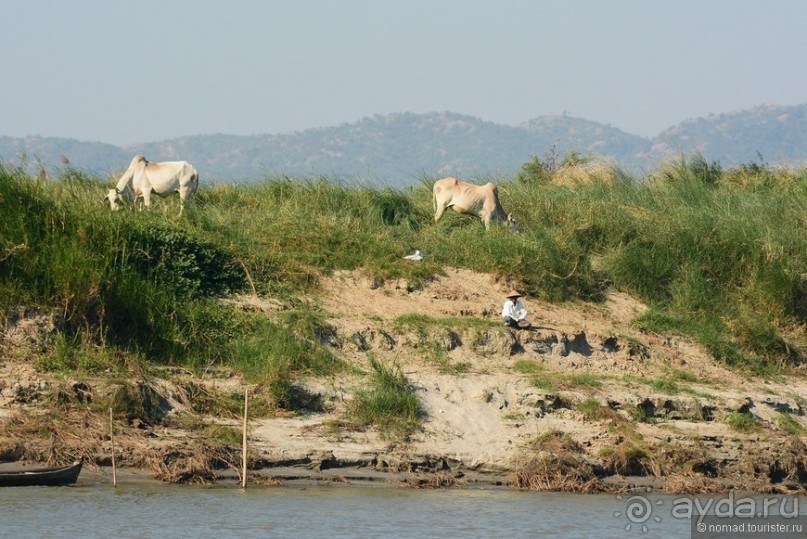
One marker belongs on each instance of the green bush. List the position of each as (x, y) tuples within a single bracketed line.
[(535, 171), (172, 255)]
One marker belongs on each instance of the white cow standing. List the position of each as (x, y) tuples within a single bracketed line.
[(143, 178), (462, 197)]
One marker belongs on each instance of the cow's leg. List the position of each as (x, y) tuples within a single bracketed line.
[(147, 198), (439, 212), (187, 188), (185, 194)]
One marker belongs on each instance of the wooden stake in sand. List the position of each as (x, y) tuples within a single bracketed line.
[(112, 442), (244, 444)]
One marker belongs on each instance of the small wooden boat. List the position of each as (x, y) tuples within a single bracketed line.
[(62, 475)]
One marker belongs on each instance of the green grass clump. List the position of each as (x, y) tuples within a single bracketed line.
[(663, 384), (592, 410), (67, 354), (309, 323), (742, 421), (680, 375), (540, 377), (583, 380), (389, 403), (547, 380), (790, 424), (438, 357), (641, 414)]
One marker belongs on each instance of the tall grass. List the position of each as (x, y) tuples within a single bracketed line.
[(274, 357), (305, 225), (718, 255)]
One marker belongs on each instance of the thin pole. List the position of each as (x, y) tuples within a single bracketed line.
[(244, 444), (112, 442)]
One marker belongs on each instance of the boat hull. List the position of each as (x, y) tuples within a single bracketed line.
[(62, 475)]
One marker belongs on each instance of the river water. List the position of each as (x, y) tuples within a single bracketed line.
[(337, 511), (334, 511)]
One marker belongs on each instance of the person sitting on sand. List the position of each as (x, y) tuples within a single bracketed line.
[(513, 312)]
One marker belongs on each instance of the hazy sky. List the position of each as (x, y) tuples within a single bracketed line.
[(137, 71)]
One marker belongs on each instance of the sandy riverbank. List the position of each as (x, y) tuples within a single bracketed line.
[(583, 393)]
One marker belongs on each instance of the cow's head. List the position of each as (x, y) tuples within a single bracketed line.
[(114, 199), (511, 223)]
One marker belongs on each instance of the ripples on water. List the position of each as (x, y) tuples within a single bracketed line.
[(330, 511)]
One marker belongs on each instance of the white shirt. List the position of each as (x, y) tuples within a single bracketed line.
[(514, 309)]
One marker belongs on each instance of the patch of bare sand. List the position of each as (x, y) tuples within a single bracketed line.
[(482, 421), (458, 292)]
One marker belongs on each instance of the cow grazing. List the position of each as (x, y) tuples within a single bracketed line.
[(479, 200), (143, 178)]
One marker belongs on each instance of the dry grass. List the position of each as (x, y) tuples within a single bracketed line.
[(793, 460), (138, 400), (674, 459), (779, 466), (434, 480), (684, 484), (77, 427), (190, 465), (557, 465), (262, 481), (52, 438), (627, 458), (576, 175)]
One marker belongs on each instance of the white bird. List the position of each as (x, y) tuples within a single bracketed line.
[(417, 257)]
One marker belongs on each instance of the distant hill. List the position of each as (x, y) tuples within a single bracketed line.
[(778, 134), (399, 149)]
